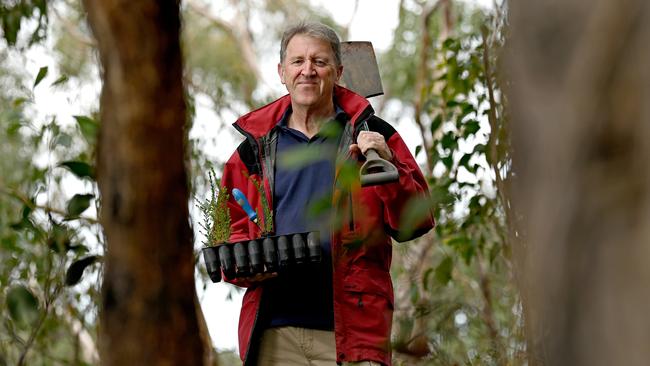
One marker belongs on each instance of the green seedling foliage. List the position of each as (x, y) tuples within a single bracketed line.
[(216, 215), (267, 222)]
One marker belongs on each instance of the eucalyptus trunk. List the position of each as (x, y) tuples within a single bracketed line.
[(579, 92), (148, 314)]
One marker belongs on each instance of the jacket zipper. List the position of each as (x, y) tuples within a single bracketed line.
[(257, 147), (351, 209), (363, 116)]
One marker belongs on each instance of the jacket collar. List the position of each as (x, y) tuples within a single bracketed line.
[(260, 121)]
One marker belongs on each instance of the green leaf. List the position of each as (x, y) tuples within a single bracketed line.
[(64, 140), (464, 161), (348, 174), (301, 156), (425, 278), (452, 103), (88, 126), (480, 148), (467, 108), (443, 270), (456, 241), (448, 161), (19, 101), (416, 210), (61, 80), (76, 270), (414, 294), (319, 207), (11, 26), (9, 244), (13, 128), (435, 124), (448, 141), (59, 238), (78, 204), (471, 127), (42, 72), (463, 245), (22, 306), (80, 169), (23, 224), (418, 149), (27, 210), (450, 44)]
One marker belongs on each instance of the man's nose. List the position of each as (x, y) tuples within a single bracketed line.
[(308, 68)]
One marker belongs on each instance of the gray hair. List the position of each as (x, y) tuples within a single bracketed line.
[(316, 30)]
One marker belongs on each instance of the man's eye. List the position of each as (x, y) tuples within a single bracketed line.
[(320, 63), (296, 62)]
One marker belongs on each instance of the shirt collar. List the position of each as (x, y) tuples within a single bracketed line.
[(339, 115)]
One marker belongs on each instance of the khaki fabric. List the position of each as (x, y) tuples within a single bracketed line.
[(293, 346)]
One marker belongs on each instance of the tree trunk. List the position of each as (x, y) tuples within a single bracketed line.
[(148, 312), (579, 92)]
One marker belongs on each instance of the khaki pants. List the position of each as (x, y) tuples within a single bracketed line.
[(292, 346)]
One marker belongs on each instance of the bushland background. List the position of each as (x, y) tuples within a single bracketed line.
[(529, 119)]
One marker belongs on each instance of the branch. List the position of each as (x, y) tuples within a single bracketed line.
[(237, 31), (73, 30), (492, 158), (354, 14), (488, 311), (449, 22), (422, 82), (48, 209), (49, 299)]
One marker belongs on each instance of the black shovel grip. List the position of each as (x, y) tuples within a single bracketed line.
[(376, 170)]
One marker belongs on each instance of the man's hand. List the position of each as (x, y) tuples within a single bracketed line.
[(371, 140)]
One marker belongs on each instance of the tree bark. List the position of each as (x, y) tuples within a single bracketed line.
[(579, 86), (148, 312)]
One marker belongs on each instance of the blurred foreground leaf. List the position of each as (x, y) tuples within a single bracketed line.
[(80, 169), (76, 270), (78, 204), (22, 306)]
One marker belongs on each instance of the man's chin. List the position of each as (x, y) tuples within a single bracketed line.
[(306, 100)]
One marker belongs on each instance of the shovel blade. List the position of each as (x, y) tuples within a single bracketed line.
[(360, 69)]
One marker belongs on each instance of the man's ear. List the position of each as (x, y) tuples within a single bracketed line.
[(339, 72), (281, 72)]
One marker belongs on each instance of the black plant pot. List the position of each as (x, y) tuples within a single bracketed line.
[(227, 259), (268, 254), (212, 264)]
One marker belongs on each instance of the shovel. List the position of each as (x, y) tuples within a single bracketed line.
[(361, 75)]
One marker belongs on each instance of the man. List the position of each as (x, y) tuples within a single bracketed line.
[(340, 311)]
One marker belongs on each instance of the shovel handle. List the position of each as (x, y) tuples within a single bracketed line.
[(376, 170)]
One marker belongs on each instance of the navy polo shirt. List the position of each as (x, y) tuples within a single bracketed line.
[(302, 297)]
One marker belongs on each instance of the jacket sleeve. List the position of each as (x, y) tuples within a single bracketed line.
[(411, 192), (233, 177)]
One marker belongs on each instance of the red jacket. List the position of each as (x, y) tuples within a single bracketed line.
[(361, 248)]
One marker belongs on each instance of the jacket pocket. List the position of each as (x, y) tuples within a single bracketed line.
[(367, 307), (371, 280)]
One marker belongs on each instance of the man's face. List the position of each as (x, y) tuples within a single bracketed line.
[(309, 71)]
